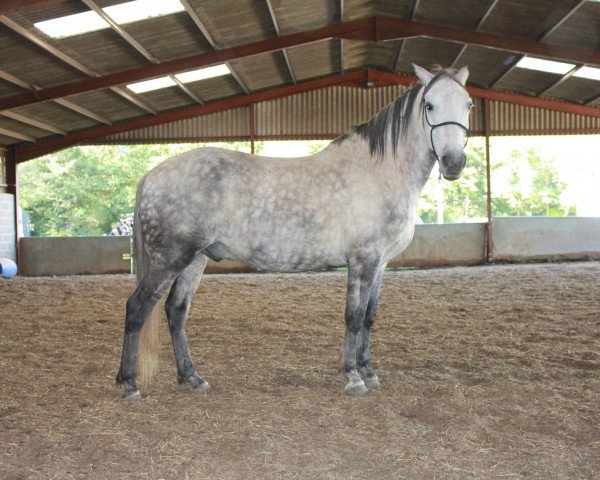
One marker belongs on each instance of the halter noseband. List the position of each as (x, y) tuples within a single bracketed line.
[(437, 125)]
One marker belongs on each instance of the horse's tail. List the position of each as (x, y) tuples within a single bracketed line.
[(149, 336)]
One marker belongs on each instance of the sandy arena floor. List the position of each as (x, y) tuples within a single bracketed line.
[(487, 372)]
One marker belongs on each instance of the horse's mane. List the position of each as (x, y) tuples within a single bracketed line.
[(396, 115)]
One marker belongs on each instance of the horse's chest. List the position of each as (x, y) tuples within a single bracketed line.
[(399, 240)]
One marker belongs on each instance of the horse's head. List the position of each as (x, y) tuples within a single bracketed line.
[(446, 106)]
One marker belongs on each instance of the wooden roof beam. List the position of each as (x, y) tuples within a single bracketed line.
[(357, 29), (200, 24), (278, 31), (138, 47), (367, 29), (68, 60), (544, 35), (33, 122), (61, 101), (491, 5), (16, 135)]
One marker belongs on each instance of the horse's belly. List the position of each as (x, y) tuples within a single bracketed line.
[(278, 257)]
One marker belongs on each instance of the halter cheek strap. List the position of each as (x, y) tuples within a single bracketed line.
[(442, 74), (438, 125)]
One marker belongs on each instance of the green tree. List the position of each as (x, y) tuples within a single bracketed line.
[(85, 190), (527, 184), (462, 199), (535, 187)]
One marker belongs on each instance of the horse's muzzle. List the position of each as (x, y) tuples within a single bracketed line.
[(451, 166)]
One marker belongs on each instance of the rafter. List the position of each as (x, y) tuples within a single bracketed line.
[(411, 16), (67, 59), (361, 78), (17, 135), (491, 5), (137, 46), (33, 122), (278, 31), (200, 24), (543, 36), (61, 101), (368, 29)]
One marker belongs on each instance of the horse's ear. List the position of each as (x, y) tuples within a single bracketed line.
[(423, 75), (462, 75)]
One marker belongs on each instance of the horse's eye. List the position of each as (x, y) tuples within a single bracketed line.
[(428, 106)]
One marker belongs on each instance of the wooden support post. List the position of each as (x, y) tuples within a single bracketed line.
[(252, 127), (488, 227), (13, 188)]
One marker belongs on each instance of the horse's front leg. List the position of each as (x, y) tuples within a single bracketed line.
[(363, 354), (361, 277)]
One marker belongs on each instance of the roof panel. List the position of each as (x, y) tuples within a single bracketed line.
[(580, 89), (7, 89), (216, 88), (360, 54), (427, 52), (25, 129), (169, 37), (167, 98), (517, 18), (55, 114), (103, 51), (485, 64), (262, 71), (530, 81), (394, 8), (31, 63), (235, 22), (113, 106), (293, 16), (315, 60), (581, 29), (437, 12)]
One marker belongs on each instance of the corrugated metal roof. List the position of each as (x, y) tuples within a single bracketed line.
[(330, 112), (511, 119), (226, 125), (33, 61)]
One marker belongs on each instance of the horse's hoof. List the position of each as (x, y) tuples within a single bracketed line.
[(203, 387), (372, 381), (131, 396), (356, 389), (197, 384)]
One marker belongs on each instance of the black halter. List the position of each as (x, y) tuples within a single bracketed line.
[(437, 125), (441, 74)]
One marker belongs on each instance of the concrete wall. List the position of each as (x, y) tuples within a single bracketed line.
[(437, 245), (545, 237), (432, 245), (7, 227), (73, 256)]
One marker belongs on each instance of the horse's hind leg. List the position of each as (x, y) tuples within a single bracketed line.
[(363, 355), (361, 275), (139, 307), (177, 308)]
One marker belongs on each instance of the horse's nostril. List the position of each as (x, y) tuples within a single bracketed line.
[(446, 161)]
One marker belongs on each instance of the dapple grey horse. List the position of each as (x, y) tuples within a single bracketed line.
[(352, 204)]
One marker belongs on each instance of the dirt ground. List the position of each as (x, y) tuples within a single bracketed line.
[(486, 372)]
